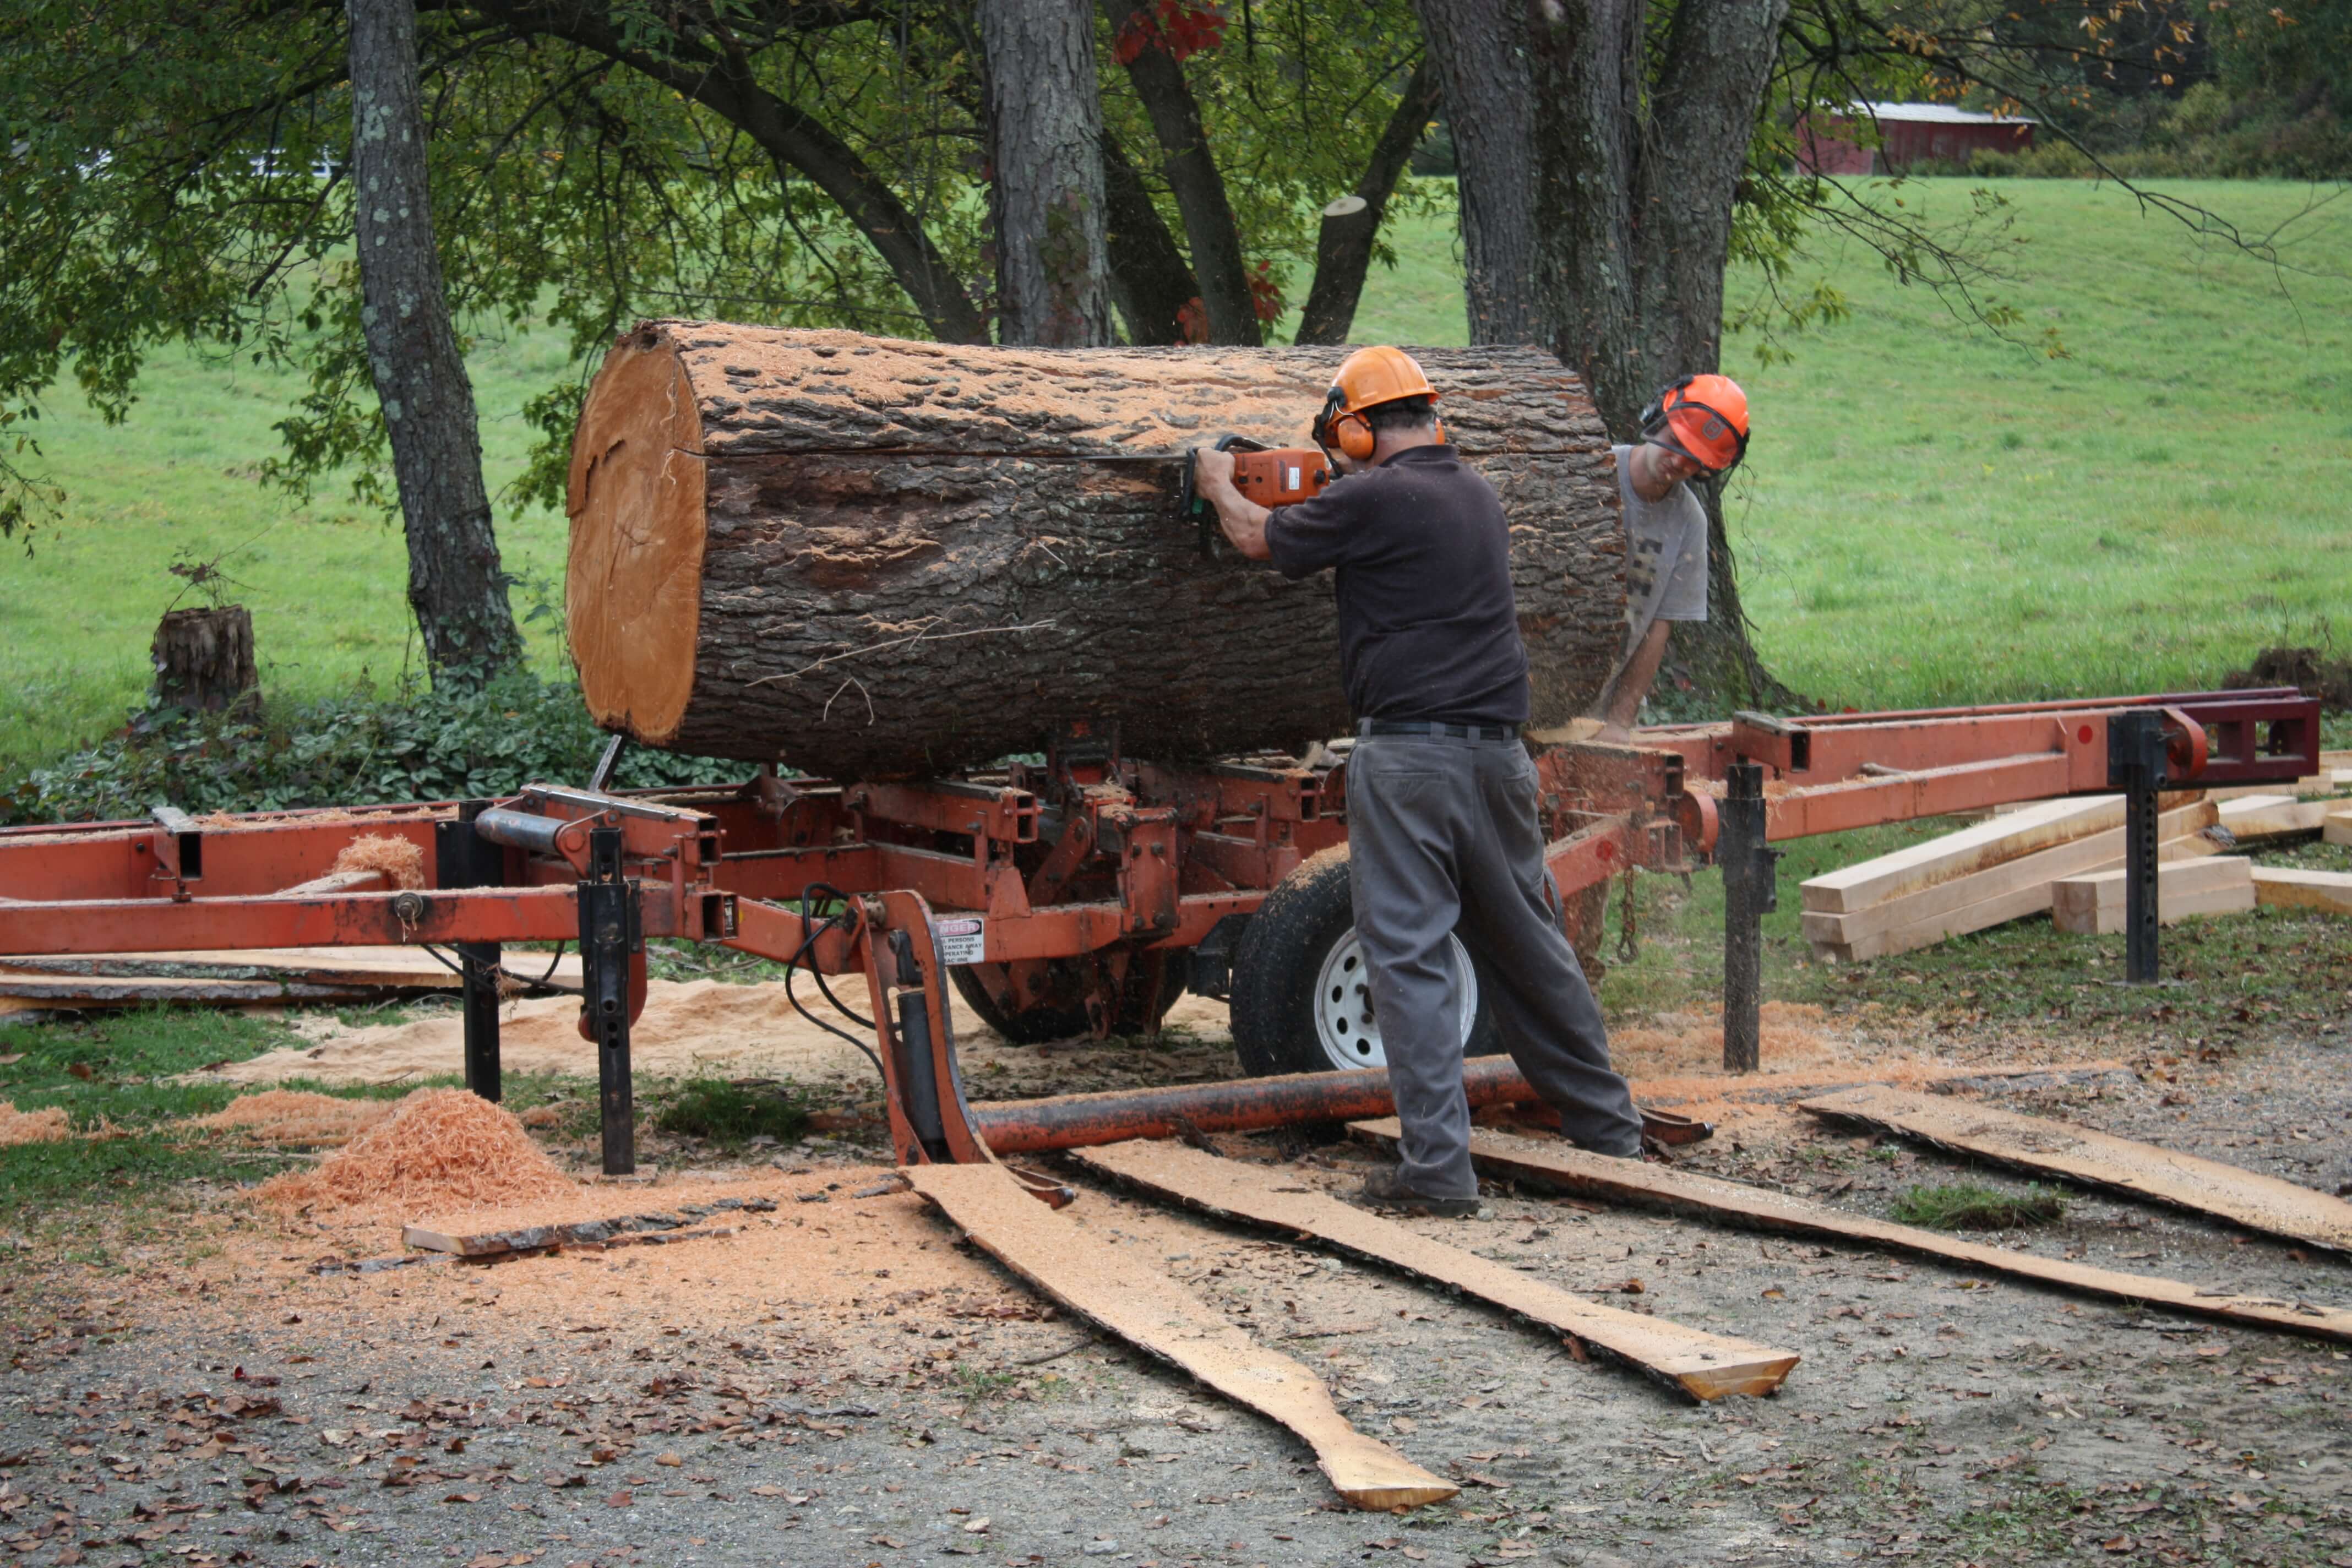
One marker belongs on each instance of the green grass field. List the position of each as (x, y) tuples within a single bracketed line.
[(1929, 514)]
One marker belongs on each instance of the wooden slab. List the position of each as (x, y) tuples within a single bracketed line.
[(2101, 1160), (356, 968), (1961, 854), (135, 991), (2200, 885), (1153, 1312), (2328, 891), (2273, 818), (1571, 1169), (2335, 827), (1981, 899), (1703, 1365), (618, 1230)]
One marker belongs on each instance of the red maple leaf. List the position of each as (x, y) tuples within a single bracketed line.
[(1180, 29)]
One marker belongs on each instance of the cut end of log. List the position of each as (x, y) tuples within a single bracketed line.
[(633, 581)]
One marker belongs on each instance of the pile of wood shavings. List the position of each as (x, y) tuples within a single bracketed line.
[(442, 1149), (33, 1126), (400, 859), (294, 1118)]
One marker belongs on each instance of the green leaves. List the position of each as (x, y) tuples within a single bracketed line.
[(449, 742)]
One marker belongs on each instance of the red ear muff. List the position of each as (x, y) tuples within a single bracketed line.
[(1355, 434)]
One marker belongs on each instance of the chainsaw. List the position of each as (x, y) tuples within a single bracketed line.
[(1270, 476)]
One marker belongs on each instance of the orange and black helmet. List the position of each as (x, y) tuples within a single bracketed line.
[(1704, 417), (1367, 376)]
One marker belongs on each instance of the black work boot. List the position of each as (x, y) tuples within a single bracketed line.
[(1386, 1189)]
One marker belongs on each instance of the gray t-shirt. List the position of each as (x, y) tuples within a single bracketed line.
[(1665, 555)]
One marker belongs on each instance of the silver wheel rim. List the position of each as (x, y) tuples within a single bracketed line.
[(1344, 1025)]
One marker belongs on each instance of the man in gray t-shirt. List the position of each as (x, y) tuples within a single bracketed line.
[(1697, 426)]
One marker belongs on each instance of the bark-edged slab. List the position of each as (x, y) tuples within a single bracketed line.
[(1701, 1364), (875, 559), (2096, 1159), (1154, 1313), (615, 1231), (1566, 1168)]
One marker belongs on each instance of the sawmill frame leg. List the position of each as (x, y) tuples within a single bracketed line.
[(2136, 764), (610, 944), (463, 859), (1750, 892)]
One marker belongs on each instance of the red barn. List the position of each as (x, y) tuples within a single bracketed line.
[(1907, 134)]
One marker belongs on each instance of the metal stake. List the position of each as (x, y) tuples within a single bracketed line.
[(609, 941), (463, 859), (2136, 764), (1749, 892)]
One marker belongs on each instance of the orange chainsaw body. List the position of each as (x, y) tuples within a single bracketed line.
[(1281, 474)]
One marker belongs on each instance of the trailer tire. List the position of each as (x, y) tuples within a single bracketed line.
[(1306, 928), (1060, 1019)]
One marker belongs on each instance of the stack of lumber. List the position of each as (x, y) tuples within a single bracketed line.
[(239, 978), (1983, 876), (2093, 905)]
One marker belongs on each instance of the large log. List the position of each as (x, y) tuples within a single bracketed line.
[(876, 559)]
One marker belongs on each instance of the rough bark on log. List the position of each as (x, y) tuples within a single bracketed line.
[(872, 559)]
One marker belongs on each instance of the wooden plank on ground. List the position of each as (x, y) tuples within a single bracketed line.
[(2005, 892), (2287, 889), (1961, 854), (2335, 827), (135, 991), (385, 968), (2101, 1160), (1153, 1312), (1703, 1365), (616, 1231), (2273, 818), (2200, 885), (1571, 1169)]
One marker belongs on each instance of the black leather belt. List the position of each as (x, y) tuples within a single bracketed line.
[(1430, 727)]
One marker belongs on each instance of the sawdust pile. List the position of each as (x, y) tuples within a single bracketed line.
[(33, 1126), (1788, 1032), (294, 1118), (400, 859), (441, 1148)]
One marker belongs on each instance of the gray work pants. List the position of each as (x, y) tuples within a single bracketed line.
[(1442, 830)]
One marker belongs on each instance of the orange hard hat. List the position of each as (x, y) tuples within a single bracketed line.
[(1703, 416), (1379, 374), (1366, 377)]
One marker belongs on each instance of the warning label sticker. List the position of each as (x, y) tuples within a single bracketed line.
[(962, 941)]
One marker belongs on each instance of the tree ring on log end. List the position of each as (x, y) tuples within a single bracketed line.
[(633, 577)]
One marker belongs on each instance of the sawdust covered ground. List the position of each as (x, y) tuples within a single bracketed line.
[(842, 1382)]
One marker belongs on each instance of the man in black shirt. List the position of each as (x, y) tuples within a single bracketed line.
[(1442, 827)]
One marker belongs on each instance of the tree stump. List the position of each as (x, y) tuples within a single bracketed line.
[(204, 658), (874, 559)]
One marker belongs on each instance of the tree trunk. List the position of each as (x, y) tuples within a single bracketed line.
[(455, 582), (1479, 49), (1343, 250), (1638, 160), (1149, 277), (871, 559), (204, 658), (1199, 190), (1044, 125)]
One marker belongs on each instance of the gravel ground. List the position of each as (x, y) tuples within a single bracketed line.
[(202, 1400)]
